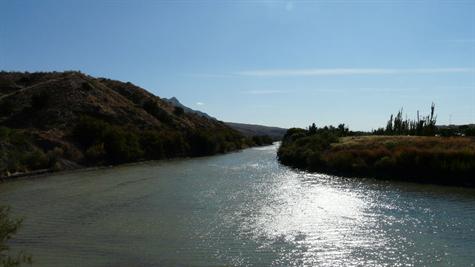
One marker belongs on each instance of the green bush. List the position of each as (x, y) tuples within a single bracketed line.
[(119, 145), (153, 145), (8, 228), (19, 154), (261, 140), (90, 131), (203, 144), (122, 146), (174, 144)]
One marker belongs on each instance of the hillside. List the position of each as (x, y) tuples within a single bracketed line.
[(176, 103), (250, 130), (60, 120)]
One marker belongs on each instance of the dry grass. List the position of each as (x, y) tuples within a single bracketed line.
[(442, 160), (420, 142)]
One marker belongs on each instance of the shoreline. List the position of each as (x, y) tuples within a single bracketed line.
[(380, 177), (448, 161), (45, 172)]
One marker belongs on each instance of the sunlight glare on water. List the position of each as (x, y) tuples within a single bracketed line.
[(239, 209)]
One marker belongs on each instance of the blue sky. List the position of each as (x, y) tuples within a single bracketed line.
[(282, 63)]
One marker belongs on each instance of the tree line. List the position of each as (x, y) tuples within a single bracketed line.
[(108, 143), (421, 126)]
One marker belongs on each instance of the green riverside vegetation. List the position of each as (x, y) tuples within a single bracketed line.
[(384, 154), (8, 228), (109, 143), (19, 154)]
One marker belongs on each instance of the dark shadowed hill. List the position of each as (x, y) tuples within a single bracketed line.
[(60, 120), (249, 130)]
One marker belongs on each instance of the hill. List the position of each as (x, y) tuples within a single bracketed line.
[(60, 120), (250, 130), (456, 130), (176, 103)]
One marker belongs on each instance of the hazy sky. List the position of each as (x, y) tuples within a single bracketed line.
[(282, 63)]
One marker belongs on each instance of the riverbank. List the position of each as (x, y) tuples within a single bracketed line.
[(236, 209), (52, 121), (439, 160), (83, 168)]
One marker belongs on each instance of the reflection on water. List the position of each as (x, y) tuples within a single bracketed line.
[(301, 213), (238, 209)]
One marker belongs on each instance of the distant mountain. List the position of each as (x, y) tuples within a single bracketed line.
[(460, 130), (58, 120), (456, 126), (174, 102), (250, 130)]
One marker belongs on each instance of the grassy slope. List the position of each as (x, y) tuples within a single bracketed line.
[(424, 159)]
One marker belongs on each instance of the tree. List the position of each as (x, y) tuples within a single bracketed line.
[(312, 129), (399, 126), (342, 130), (389, 125)]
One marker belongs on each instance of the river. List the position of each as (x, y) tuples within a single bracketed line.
[(238, 209)]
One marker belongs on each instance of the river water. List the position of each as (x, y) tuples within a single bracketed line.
[(239, 209)]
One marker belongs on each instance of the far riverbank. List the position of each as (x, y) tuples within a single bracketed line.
[(438, 160)]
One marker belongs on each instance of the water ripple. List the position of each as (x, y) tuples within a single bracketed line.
[(240, 209)]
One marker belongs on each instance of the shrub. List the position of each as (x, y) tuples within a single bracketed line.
[(8, 228), (118, 144), (122, 146), (96, 152), (261, 140), (341, 160), (89, 131), (385, 163), (36, 160), (155, 110), (153, 145), (203, 144)]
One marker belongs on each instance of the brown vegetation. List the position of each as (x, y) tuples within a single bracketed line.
[(441, 160)]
